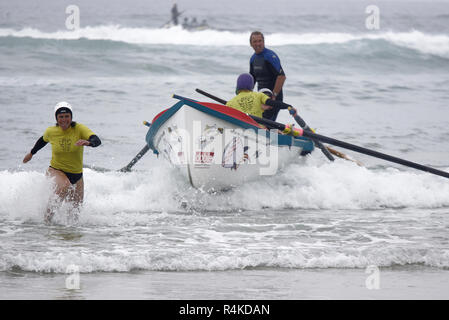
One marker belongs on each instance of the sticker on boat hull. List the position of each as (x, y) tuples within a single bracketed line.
[(234, 154)]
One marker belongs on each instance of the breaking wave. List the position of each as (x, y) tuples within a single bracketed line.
[(424, 43)]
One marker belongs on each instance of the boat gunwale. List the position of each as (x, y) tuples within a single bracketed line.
[(283, 140)]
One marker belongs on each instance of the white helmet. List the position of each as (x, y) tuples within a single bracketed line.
[(65, 106)]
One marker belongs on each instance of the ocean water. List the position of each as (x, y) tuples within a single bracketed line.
[(321, 224)]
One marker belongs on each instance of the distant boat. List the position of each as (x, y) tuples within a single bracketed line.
[(192, 24), (188, 26)]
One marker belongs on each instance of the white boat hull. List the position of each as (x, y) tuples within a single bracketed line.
[(214, 153)]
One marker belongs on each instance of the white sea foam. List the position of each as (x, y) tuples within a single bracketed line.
[(425, 43), (311, 185), (153, 220), (24, 194), (191, 260)]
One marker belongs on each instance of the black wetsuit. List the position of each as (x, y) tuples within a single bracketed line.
[(265, 67)]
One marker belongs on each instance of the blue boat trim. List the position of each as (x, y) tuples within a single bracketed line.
[(283, 140), (159, 122)]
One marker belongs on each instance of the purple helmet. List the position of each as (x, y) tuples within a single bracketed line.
[(245, 81)]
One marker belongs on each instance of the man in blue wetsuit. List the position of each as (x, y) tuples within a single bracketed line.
[(266, 69)]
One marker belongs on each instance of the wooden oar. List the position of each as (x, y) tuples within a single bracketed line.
[(303, 125), (355, 148), (128, 167), (339, 154), (343, 156), (342, 144), (298, 119), (204, 93), (141, 153)]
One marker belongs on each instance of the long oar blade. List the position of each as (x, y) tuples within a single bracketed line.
[(338, 143), (128, 167), (355, 148), (144, 150), (343, 156), (304, 125), (211, 96), (327, 150), (376, 154)]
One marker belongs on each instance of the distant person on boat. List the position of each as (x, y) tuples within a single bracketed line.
[(250, 102), (67, 139), (175, 14), (185, 24), (267, 71), (194, 23)]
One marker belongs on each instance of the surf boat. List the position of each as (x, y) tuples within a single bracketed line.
[(188, 26), (217, 147)]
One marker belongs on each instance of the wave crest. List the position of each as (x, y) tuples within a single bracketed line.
[(425, 43)]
